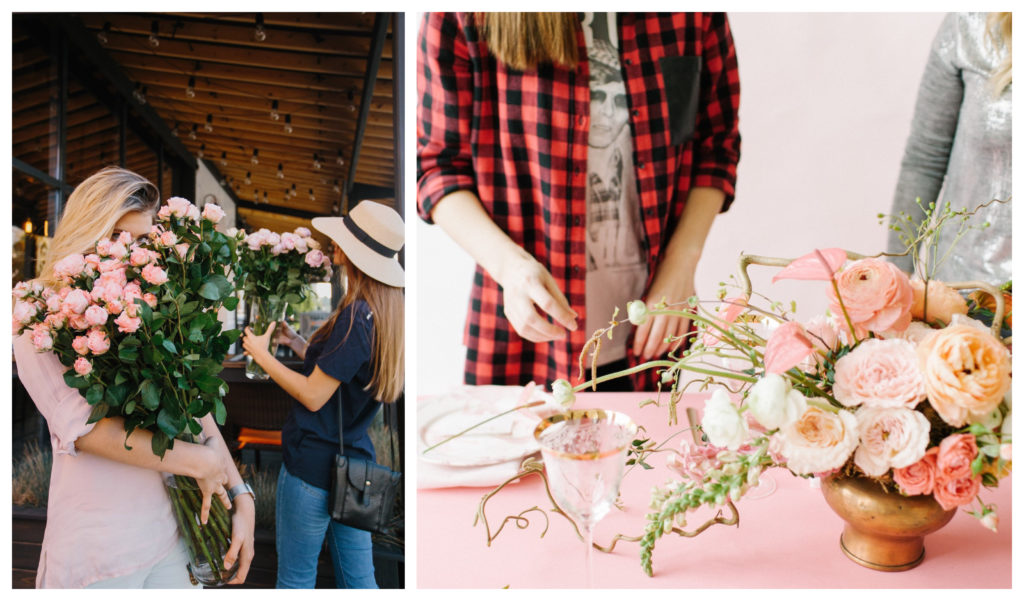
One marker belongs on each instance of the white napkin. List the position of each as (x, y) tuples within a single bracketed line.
[(485, 400)]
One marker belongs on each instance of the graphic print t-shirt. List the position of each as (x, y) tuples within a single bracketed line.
[(616, 266)]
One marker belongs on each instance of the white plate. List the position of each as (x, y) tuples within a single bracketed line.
[(503, 439)]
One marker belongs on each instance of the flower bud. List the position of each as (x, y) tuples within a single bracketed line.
[(564, 394), (990, 520), (637, 311)]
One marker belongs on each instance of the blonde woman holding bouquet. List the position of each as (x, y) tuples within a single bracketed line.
[(356, 359), (110, 522)]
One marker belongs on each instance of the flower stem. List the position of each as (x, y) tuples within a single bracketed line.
[(477, 425)]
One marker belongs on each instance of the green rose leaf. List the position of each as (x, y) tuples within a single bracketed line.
[(98, 412), (160, 443), (94, 394), (150, 395), (220, 413), (74, 380), (216, 287), (170, 423)]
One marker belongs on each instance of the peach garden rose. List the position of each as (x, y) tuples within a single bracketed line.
[(966, 372), (879, 373), (890, 437), (819, 441), (943, 302)]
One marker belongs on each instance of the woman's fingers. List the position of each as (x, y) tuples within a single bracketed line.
[(204, 509), (654, 338), (546, 295)]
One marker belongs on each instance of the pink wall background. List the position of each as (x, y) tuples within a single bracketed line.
[(825, 111)]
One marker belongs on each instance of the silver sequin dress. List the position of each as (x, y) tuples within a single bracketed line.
[(961, 132)]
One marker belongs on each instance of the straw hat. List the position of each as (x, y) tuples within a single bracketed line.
[(370, 236)]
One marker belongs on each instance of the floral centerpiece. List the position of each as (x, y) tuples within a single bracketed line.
[(136, 324), (898, 387), (276, 270)]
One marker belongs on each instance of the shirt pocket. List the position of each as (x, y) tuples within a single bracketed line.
[(682, 93)]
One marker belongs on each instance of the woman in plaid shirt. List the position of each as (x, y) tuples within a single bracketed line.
[(524, 158)]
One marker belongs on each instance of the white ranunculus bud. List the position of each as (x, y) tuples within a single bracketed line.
[(722, 421), (637, 311), (773, 403), (564, 394)]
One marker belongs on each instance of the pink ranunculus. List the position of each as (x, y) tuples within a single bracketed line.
[(879, 373), (213, 212), (918, 478), (82, 366), (24, 311), (787, 347), (99, 342), (96, 315), (178, 206), (943, 302), (42, 338), (103, 248), (303, 232), (78, 322), (76, 302), (126, 323), (168, 238), (118, 251), (876, 294), (150, 299), (956, 452), (966, 372), (69, 266), (81, 345), (890, 437), (314, 258), (954, 493), (139, 257), (819, 441), (154, 274)]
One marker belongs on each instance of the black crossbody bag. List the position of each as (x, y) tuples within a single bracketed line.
[(362, 492)]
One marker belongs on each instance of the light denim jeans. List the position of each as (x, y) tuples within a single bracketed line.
[(302, 522), (169, 572)]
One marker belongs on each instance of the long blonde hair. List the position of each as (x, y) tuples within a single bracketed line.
[(92, 211), (387, 303), (1000, 27), (525, 40)]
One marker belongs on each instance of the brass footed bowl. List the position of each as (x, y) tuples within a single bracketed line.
[(884, 530)]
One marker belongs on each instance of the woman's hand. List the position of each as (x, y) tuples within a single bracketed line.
[(527, 285), (674, 285), (243, 526), (286, 335), (212, 479), (257, 347)]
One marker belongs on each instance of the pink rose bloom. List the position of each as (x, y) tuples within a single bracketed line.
[(99, 342), (954, 493), (314, 258), (890, 437), (125, 238), (168, 239), (76, 302), (81, 345), (150, 299), (254, 240), (114, 307), (64, 292), (192, 213), (92, 263), (139, 257), (78, 322), (956, 452), (288, 241), (103, 248), (966, 372), (181, 249), (56, 321), (916, 332), (154, 274), (819, 441), (312, 243), (276, 249), (879, 373), (116, 278), (82, 366), (156, 230), (918, 478), (127, 324), (131, 291), (96, 315), (943, 302), (787, 347), (301, 246), (110, 265), (53, 303), (69, 266), (303, 232), (178, 206), (20, 290), (213, 212), (118, 251), (273, 239), (24, 311), (164, 213), (876, 294), (41, 337), (132, 309)]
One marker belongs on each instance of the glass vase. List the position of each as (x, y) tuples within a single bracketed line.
[(264, 311), (207, 544)]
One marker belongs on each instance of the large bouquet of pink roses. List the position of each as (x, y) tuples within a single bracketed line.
[(275, 271), (135, 322)]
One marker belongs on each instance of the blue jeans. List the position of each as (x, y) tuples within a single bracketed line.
[(302, 522)]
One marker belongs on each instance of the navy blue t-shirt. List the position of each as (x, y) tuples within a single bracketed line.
[(310, 438)]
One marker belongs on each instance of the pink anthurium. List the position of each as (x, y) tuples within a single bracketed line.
[(727, 315), (820, 264), (788, 345)]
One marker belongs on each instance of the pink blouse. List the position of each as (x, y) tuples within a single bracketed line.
[(104, 519)]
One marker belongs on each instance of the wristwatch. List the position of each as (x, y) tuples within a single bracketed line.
[(240, 489)]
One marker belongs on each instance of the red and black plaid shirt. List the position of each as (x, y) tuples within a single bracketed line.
[(519, 141)]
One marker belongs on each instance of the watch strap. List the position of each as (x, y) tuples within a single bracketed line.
[(240, 489)]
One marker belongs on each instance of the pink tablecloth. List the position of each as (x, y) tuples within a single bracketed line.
[(789, 539)]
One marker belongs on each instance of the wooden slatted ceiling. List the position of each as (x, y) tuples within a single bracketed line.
[(313, 65)]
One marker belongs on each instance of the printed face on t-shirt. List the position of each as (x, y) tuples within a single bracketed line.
[(609, 112)]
